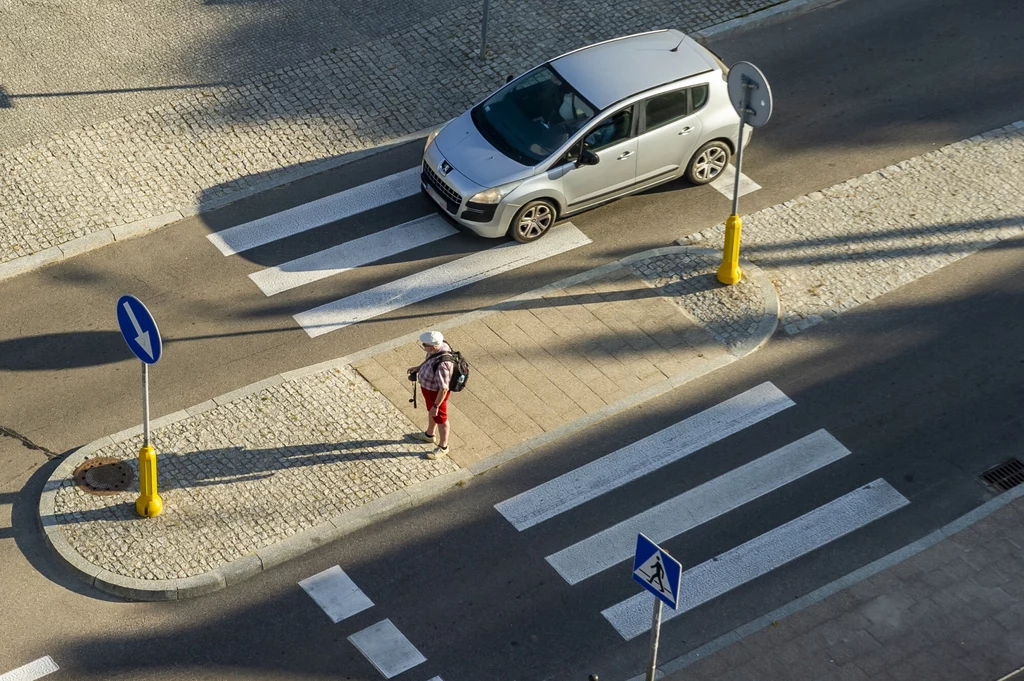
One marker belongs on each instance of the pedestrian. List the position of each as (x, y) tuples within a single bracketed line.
[(434, 376)]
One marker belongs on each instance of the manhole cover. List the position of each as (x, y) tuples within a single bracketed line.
[(104, 475), (1004, 476)]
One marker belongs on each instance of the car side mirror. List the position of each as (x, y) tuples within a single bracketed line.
[(587, 158), (509, 78)]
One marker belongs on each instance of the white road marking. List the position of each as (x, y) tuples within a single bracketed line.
[(725, 181), (336, 593), (316, 213), (437, 280), (32, 671), (355, 253), (643, 456), (387, 649), (699, 505), (762, 554)]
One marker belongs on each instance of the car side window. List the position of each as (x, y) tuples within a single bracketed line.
[(699, 94), (663, 109), (612, 130)]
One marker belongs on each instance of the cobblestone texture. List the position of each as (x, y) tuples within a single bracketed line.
[(247, 474), (731, 313), (218, 140), (835, 249)]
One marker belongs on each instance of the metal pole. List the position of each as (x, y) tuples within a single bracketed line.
[(145, 404), (655, 636), (483, 30), (739, 165)]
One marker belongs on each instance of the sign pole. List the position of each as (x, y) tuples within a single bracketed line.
[(149, 504), (145, 404), (483, 30), (655, 637), (729, 273), (754, 110)]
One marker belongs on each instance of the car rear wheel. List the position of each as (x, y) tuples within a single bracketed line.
[(708, 163), (533, 221)]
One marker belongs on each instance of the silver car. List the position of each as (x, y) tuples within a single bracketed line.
[(590, 126)]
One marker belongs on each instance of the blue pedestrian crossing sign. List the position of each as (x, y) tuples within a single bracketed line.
[(139, 329), (657, 571)]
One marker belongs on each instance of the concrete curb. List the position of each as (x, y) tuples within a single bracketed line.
[(345, 523), (859, 575), (28, 263)]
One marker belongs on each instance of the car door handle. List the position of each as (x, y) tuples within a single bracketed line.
[(685, 130), (625, 154)]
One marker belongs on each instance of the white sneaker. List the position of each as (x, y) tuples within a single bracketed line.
[(437, 452), (423, 437)]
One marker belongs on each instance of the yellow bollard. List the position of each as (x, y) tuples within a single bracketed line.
[(149, 504), (729, 273)]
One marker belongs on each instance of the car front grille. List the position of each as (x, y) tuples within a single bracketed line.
[(453, 198)]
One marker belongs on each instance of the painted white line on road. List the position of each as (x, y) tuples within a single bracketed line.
[(437, 280), (724, 182), (316, 213), (762, 554), (387, 649), (336, 593), (642, 457), (32, 671), (350, 254), (698, 506)]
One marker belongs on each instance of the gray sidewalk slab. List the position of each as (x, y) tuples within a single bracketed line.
[(949, 606)]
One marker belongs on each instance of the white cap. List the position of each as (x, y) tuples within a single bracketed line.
[(433, 338)]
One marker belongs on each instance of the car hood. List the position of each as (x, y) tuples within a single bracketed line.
[(465, 148)]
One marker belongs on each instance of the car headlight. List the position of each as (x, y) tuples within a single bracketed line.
[(430, 138), (494, 194)]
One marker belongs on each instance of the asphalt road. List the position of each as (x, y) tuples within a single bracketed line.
[(858, 85)]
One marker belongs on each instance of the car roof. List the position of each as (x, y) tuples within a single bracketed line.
[(608, 72)]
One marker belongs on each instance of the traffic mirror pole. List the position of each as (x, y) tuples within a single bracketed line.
[(652, 666), (149, 504)]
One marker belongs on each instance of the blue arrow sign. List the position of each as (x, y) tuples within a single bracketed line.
[(139, 329), (657, 571)]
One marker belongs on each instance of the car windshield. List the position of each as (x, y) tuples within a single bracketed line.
[(528, 120)]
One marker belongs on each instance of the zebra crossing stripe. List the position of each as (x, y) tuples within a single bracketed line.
[(350, 254), (762, 554), (699, 505), (336, 593), (725, 182), (643, 456), (437, 280), (387, 648), (316, 213), (32, 671)]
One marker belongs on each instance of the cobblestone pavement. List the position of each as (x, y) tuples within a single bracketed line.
[(954, 610), (246, 474), (240, 474), (217, 140), (877, 232)]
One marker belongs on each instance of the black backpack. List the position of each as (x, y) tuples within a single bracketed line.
[(460, 370)]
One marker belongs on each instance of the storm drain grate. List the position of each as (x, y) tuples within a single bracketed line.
[(103, 475), (1004, 476)]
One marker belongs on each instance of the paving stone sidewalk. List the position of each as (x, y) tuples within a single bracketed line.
[(253, 478), (949, 607), (83, 188)]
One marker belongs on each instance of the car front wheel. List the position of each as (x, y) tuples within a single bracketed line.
[(532, 221), (708, 163)]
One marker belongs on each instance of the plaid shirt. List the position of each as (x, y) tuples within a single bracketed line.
[(434, 375)]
